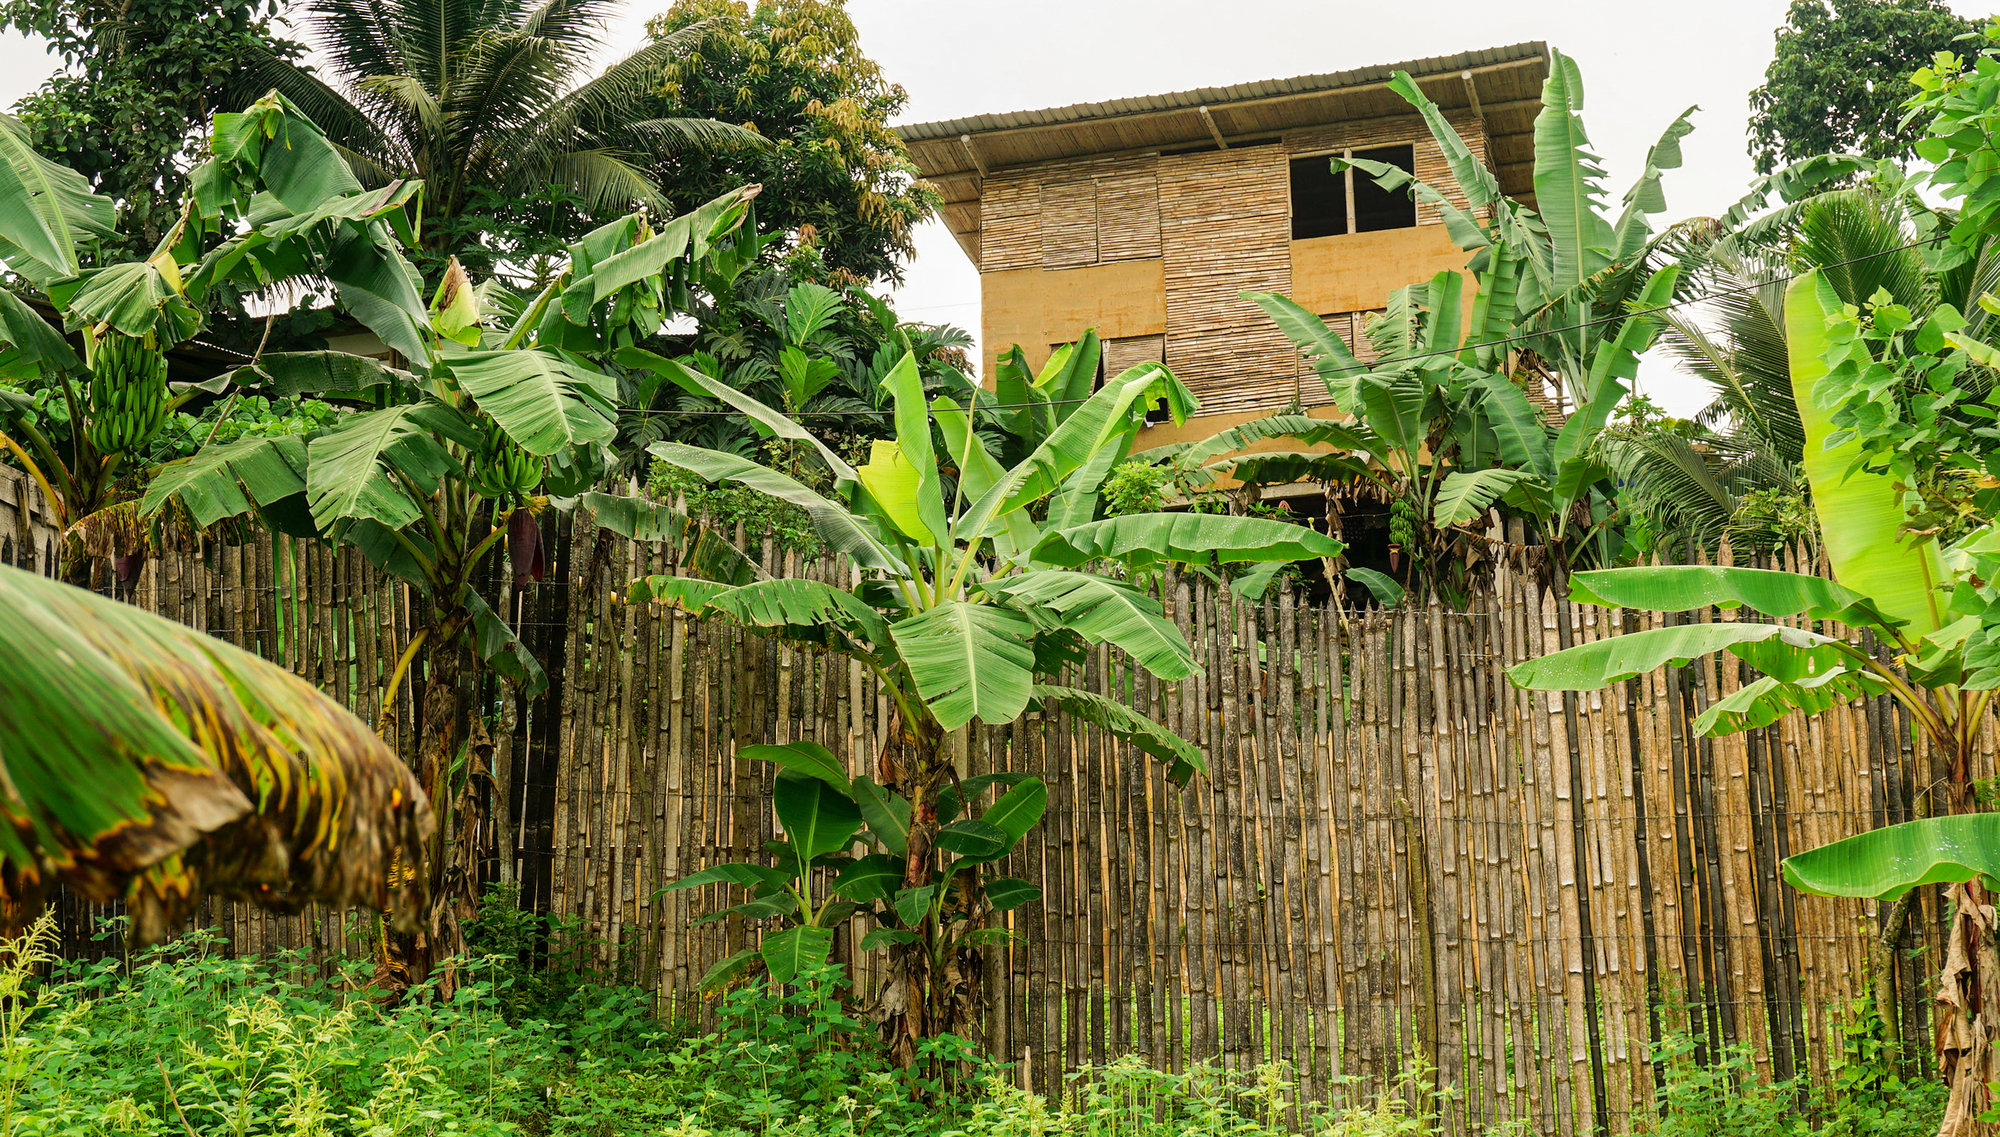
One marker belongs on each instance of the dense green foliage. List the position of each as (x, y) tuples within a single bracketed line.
[(491, 105), (189, 1038), (1835, 83), (794, 72), (130, 110)]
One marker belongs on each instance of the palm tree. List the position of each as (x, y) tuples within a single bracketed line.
[(489, 100), (1749, 440)]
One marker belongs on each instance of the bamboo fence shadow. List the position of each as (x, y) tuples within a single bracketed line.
[(1395, 852)]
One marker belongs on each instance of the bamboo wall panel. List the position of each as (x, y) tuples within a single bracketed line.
[(1225, 227), (1010, 224), (1394, 851), (1130, 351), (1128, 212), (1069, 223)]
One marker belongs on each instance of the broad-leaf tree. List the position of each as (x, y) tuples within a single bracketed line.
[(839, 177), (972, 603), (175, 765), (489, 104), (1835, 82), (492, 415)]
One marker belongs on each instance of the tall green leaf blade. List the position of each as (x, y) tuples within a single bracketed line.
[(1885, 863), (380, 288), (801, 948), (46, 210), (1861, 513), (1018, 809), (1102, 610), (231, 479), (544, 402), (1128, 726), (969, 661), (1464, 496), (1590, 666), (769, 422), (817, 818), (1684, 588), (1523, 433), (887, 814), (1102, 418), (1766, 699), (356, 469), (913, 441), (1148, 538), (1567, 190), (700, 548), (1481, 187), (842, 531)]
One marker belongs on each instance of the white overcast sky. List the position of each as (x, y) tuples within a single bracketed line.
[(1642, 64)]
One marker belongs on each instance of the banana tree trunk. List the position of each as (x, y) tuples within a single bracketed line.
[(449, 865), (1968, 1008), (917, 999)]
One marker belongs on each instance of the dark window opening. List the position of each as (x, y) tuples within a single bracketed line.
[(1376, 208), (1158, 413), (1319, 198)]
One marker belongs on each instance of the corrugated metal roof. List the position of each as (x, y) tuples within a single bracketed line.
[(1219, 96)]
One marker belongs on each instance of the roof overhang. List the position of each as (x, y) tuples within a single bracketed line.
[(1501, 85)]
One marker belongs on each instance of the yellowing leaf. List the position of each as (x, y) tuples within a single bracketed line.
[(892, 481)]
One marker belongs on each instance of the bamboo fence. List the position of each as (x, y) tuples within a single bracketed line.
[(1395, 854)]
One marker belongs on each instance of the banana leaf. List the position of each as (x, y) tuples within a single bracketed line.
[(1861, 512), (175, 765), (1887, 862)]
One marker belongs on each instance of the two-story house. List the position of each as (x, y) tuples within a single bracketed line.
[(1145, 218)]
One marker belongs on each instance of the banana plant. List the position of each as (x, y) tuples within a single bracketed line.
[(175, 765), (1561, 295), (493, 417), (972, 603), (1934, 611), (826, 817), (264, 211)]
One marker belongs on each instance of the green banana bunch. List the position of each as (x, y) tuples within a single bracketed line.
[(127, 395), (500, 469)]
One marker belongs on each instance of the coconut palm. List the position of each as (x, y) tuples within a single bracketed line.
[(491, 96), (1750, 441)]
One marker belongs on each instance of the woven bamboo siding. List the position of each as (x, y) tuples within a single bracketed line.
[(1130, 351), (1010, 219), (1069, 223), (1225, 227), (1394, 850), (1128, 213)]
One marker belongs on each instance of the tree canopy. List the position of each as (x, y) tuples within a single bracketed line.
[(794, 72), (130, 109), (495, 107), (1836, 83)]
